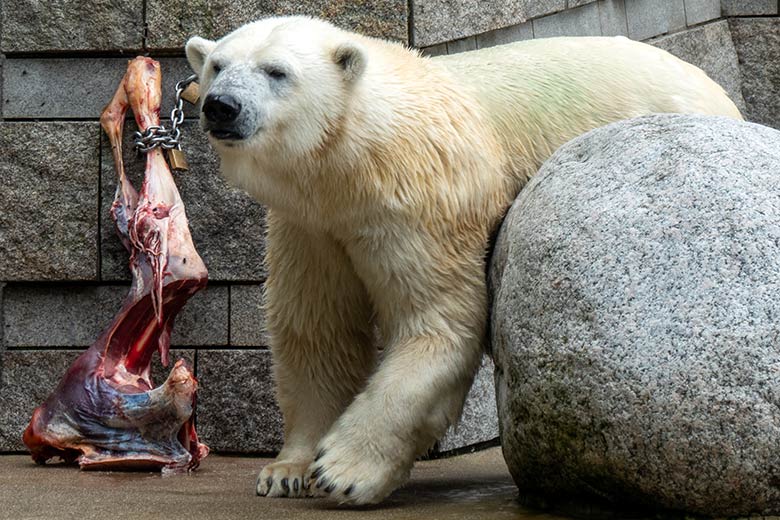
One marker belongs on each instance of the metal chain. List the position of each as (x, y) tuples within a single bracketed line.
[(155, 136)]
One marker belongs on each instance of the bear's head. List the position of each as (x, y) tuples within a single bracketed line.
[(276, 86)]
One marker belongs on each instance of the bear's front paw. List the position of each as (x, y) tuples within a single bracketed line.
[(283, 479), (355, 471)]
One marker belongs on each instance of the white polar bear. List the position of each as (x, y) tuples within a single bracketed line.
[(385, 173)]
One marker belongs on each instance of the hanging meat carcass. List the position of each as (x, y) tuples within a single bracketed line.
[(105, 412)]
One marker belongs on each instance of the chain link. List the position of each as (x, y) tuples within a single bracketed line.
[(155, 136)]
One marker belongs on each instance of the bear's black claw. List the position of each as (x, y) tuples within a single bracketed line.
[(319, 455), (269, 482), (330, 488), (316, 472), (321, 482), (349, 490), (295, 485), (286, 485)]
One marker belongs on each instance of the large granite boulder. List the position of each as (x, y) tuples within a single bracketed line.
[(636, 318)]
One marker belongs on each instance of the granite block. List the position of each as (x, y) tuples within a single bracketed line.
[(581, 21), (172, 22), (700, 11), (247, 319), (612, 15), (437, 21), (648, 18), (228, 226), (77, 87), (749, 7), (74, 316), (237, 410), (462, 45), (26, 380), (204, 320), (434, 50), (2, 326), (514, 33), (710, 48), (757, 41), (479, 421), (59, 315), (68, 25), (2, 69), (48, 222)]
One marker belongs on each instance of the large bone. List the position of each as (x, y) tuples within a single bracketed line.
[(105, 413)]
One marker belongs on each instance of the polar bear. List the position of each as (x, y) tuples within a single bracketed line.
[(384, 174)]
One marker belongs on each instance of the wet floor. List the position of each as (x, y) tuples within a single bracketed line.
[(475, 486)]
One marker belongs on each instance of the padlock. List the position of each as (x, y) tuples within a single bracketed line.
[(177, 160), (191, 93)]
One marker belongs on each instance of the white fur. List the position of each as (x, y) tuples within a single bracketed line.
[(384, 174)]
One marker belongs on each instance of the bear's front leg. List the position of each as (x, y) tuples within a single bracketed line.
[(417, 392), (318, 319)]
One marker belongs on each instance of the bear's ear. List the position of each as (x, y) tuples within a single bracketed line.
[(197, 50), (351, 58)]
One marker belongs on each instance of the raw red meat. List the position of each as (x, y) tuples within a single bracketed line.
[(105, 413)]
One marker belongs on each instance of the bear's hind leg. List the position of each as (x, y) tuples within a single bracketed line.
[(318, 318)]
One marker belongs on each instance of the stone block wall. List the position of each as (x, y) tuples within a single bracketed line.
[(63, 272), (736, 42)]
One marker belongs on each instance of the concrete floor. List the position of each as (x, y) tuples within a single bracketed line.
[(475, 486)]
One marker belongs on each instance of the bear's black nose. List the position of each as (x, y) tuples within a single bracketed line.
[(221, 109)]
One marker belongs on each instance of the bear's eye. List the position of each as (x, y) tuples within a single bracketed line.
[(275, 73), (216, 67)]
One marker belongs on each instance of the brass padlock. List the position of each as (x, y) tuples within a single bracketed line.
[(177, 160), (191, 94)]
